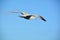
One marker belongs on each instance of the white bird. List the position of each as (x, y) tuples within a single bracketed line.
[(29, 17)]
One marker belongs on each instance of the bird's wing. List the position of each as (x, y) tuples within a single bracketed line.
[(14, 12), (41, 18), (24, 13)]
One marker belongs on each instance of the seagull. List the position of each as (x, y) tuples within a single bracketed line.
[(27, 16)]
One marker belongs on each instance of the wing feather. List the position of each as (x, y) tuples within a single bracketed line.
[(24, 13), (42, 18)]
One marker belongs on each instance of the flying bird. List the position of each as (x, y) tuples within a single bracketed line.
[(25, 15)]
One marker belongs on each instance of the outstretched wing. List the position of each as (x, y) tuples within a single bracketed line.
[(41, 18), (24, 13), (15, 12)]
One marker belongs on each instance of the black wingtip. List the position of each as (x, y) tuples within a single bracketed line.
[(43, 18)]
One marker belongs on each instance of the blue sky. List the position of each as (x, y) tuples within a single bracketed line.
[(15, 28)]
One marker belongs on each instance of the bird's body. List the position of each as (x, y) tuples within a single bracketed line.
[(30, 17)]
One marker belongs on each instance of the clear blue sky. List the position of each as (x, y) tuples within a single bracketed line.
[(15, 28)]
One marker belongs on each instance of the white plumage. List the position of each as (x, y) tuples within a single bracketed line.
[(29, 17)]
